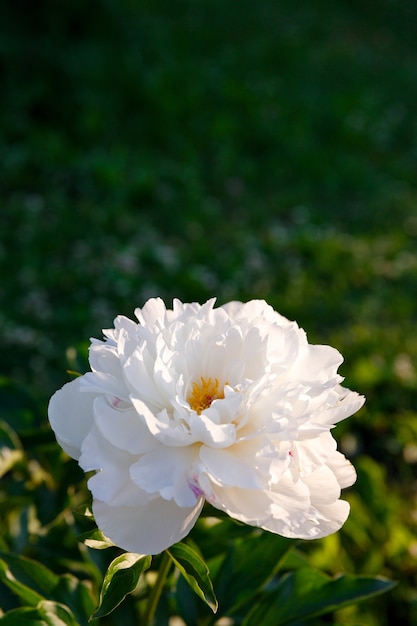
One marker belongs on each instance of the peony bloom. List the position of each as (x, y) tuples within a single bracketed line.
[(231, 405)]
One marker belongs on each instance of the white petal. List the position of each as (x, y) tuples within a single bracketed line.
[(254, 353), (147, 529), (241, 465), (346, 403), (316, 363), (251, 310), (124, 429), (313, 453), (127, 343), (294, 516), (103, 357), (153, 311), (286, 511), (310, 521), (227, 410), (163, 378), (167, 431), (343, 470), (71, 416), (100, 382), (323, 485), (112, 482), (122, 323), (207, 431), (166, 471), (283, 511), (251, 506), (332, 517), (138, 370)]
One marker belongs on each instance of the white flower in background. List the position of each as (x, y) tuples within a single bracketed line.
[(231, 405)]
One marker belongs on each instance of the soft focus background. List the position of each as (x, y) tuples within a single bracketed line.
[(191, 148)]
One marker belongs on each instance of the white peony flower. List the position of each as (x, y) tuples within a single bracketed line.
[(231, 405)]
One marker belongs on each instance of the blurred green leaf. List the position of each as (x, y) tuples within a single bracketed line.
[(45, 614), (32, 582), (8, 437), (308, 593), (24, 617), (76, 596), (121, 578), (18, 407), (24, 592), (9, 458), (195, 572), (29, 580), (10, 448)]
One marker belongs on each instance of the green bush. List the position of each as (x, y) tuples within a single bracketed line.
[(190, 149)]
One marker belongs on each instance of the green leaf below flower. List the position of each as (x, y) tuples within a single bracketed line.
[(121, 578), (195, 571)]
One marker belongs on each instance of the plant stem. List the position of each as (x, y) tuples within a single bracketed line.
[(156, 590)]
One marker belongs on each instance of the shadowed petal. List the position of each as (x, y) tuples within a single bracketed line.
[(71, 414), (147, 529), (111, 483), (124, 429)]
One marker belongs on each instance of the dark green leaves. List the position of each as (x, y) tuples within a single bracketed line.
[(195, 571), (45, 614), (307, 593), (247, 578), (10, 448), (36, 586), (26, 592), (249, 563), (121, 579)]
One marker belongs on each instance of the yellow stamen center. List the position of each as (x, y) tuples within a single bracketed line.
[(203, 393)]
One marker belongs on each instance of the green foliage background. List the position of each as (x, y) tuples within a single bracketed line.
[(191, 148)]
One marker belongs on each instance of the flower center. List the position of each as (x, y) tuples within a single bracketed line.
[(203, 393)]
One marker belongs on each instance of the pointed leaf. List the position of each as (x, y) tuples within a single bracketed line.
[(195, 572), (121, 578), (308, 593)]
